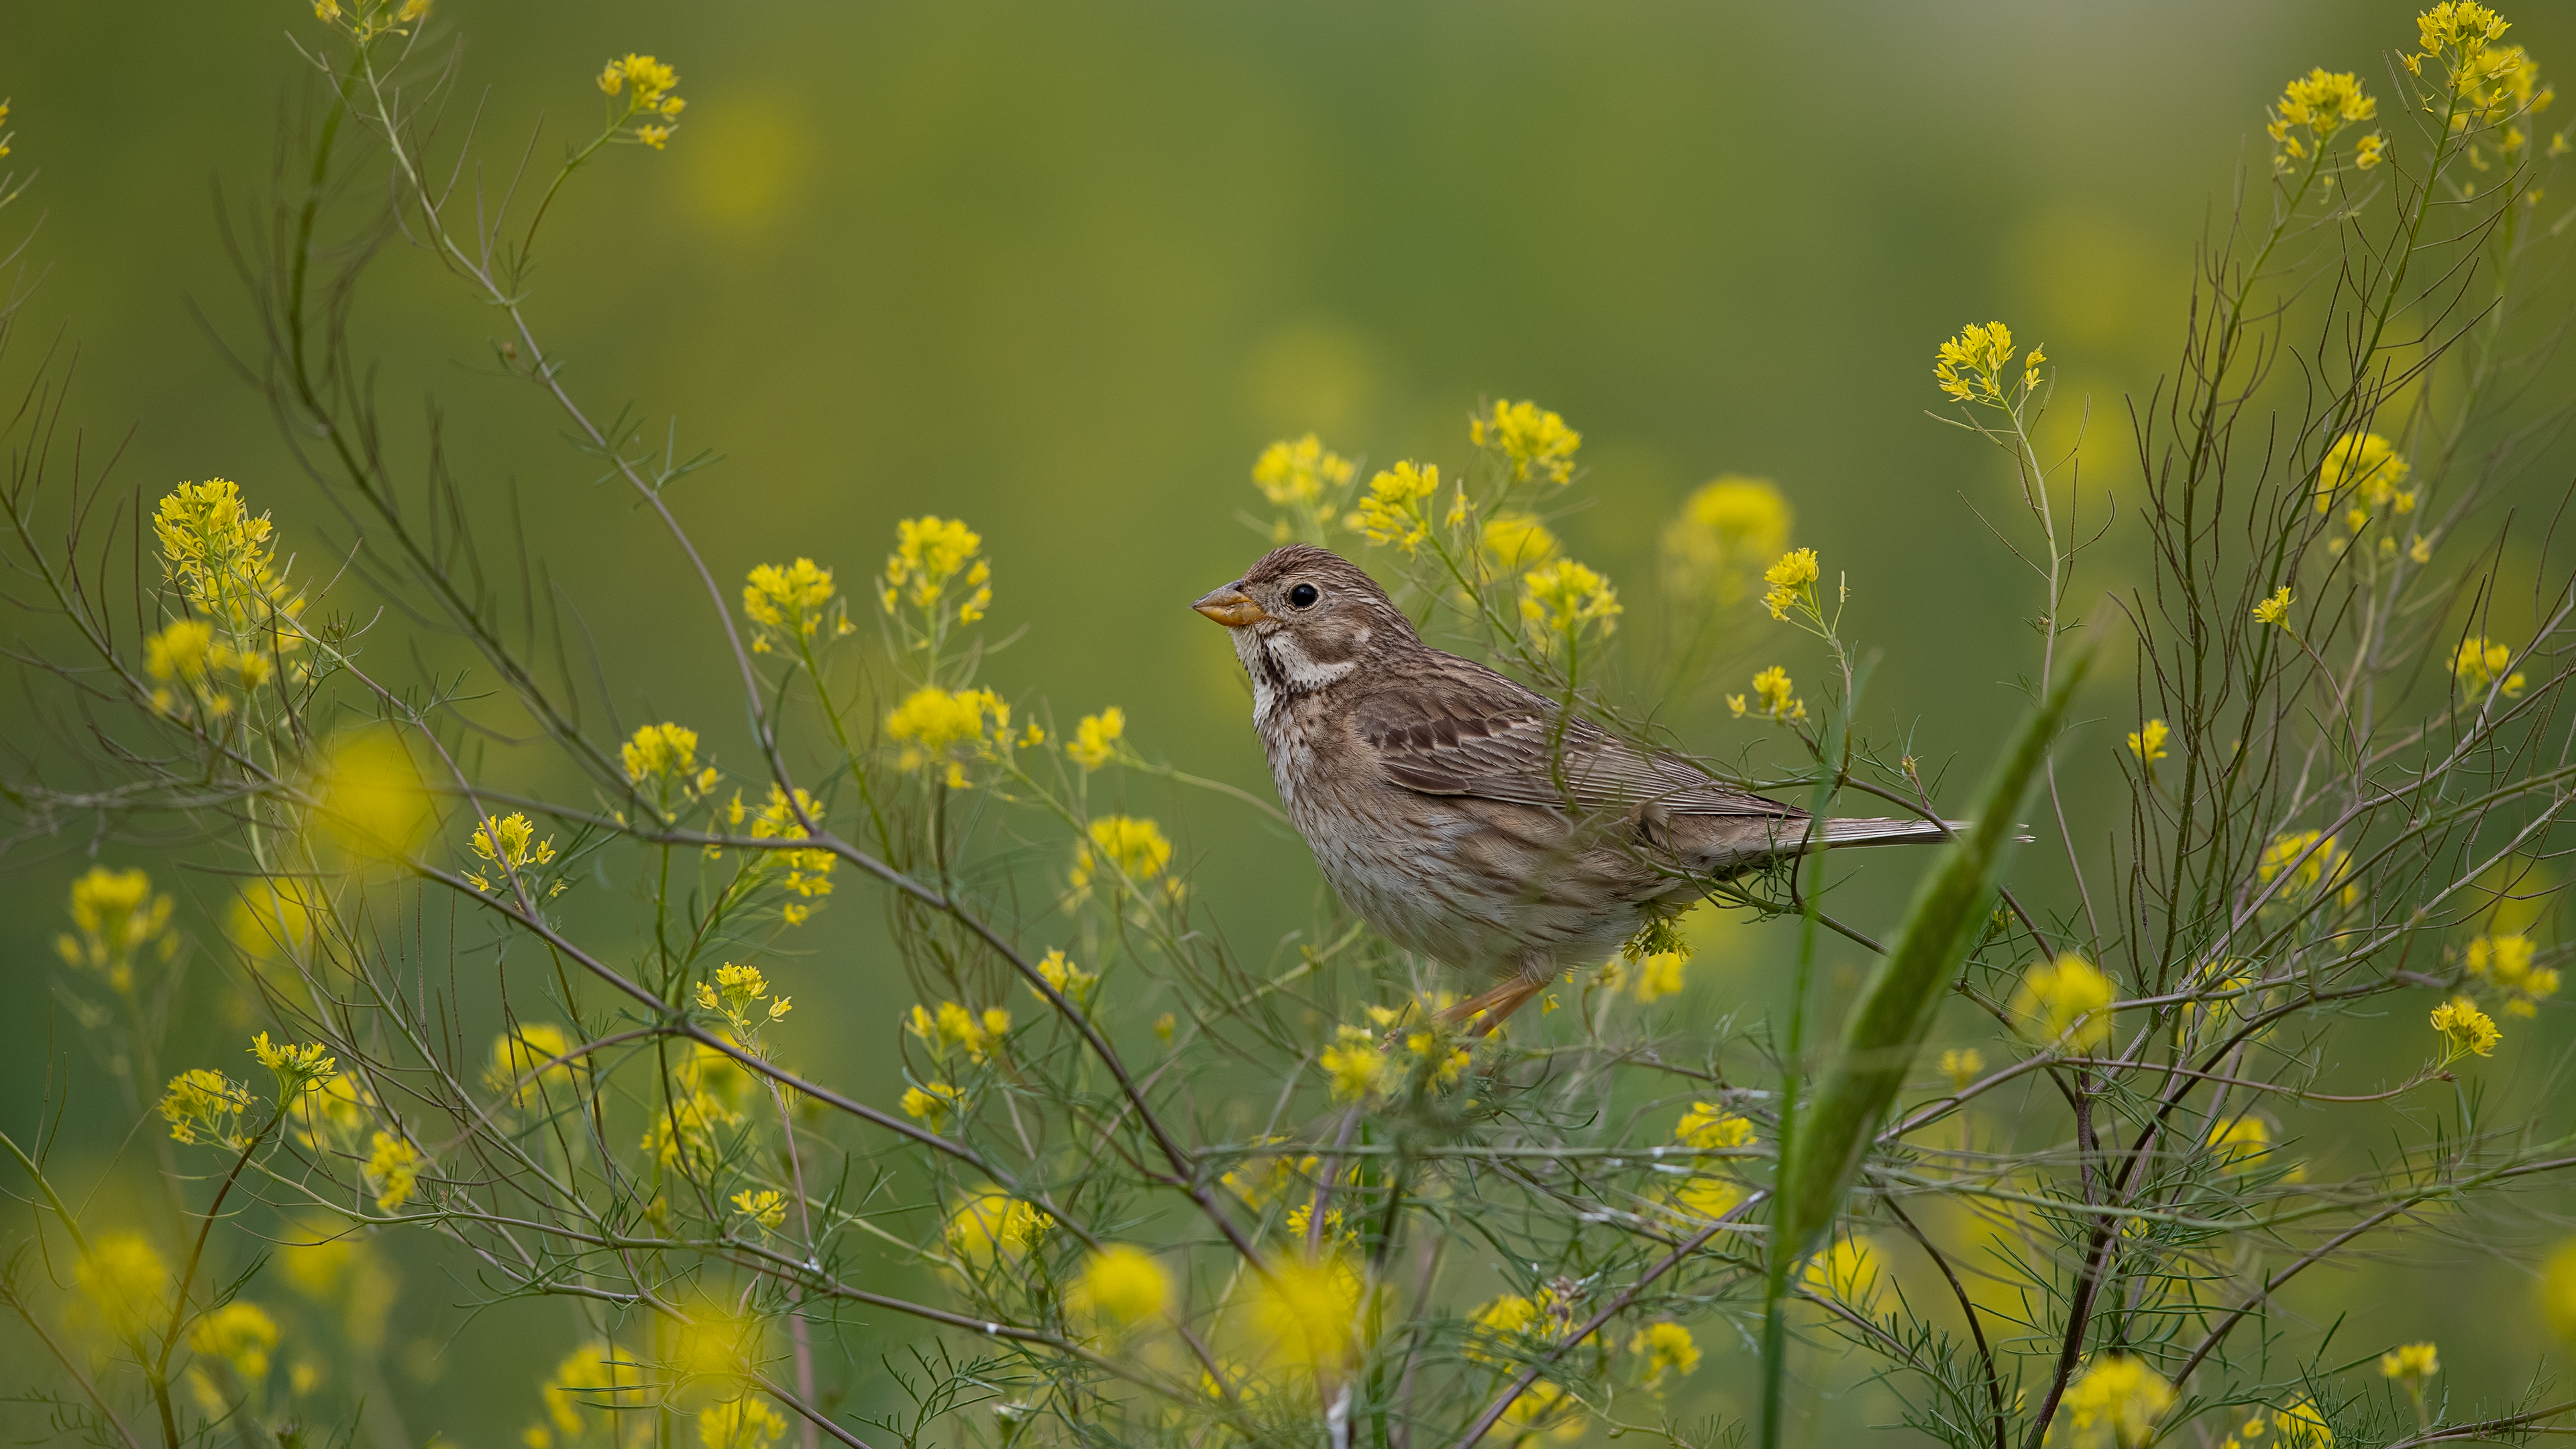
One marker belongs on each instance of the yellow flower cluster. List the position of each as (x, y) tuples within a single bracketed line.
[(1710, 1128), (1564, 597), (511, 845), (666, 754), (1516, 1324), (2119, 1398), (2147, 742), (1533, 441), (2240, 1142), (1306, 1311), (125, 1280), (735, 991), (2065, 1004), (2315, 855), (192, 668), (1070, 981), (743, 1423), (392, 1170), (116, 915), (1849, 1271), (993, 1224), (241, 1335), (2503, 86), (932, 1103), (332, 1114), (689, 1126), (809, 872), (1299, 472), (2413, 1361), (2367, 464), (1775, 691), (2320, 104), (1725, 528), (2457, 25), (1516, 541), (791, 603), (1792, 581), (2505, 963), (589, 1378), (2274, 609), (223, 561), (1393, 511), (525, 1064), (2481, 665), (1356, 1065), (953, 1028), (1971, 366), (932, 723), (1667, 1348), (297, 1068), (1095, 740), (1962, 1065), (1121, 1286), (767, 1208), (1134, 847), (2466, 1031), (368, 19), (202, 1104), (930, 554), (652, 112)]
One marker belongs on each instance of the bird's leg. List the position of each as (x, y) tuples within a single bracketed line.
[(1484, 1012)]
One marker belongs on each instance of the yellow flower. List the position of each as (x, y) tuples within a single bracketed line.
[(332, 1114), (933, 721), (2120, 1395), (126, 1283), (1707, 1197), (531, 1051), (1121, 1287), (1848, 1272), (1792, 580), (1095, 740), (2240, 1142), (2300, 1426), (2314, 853), (1659, 975), (223, 562), (116, 915), (298, 1068), (808, 871), (744, 1423), (1710, 1128), (993, 1223), (1517, 541), (1666, 1347), (2557, 1289), (393, 1168), (510, 843), (1970, 366), (2412, 1361), (1564, 596), (688, 1124), (592, 1377), (932, 1103), (2506, 963), (1135, 846), (665, 753), (1358, 1069), (2369, 151), (1290, 473), (2276, 609), (1725, 528), (1306, 1311), (1392, 512), (1774, 689), (2065, 1004), (239, 1333), (1534, 441), (790, 601), (2480, 665), (203, 1104), (2320, 103), (1070, 981), (1961, 1066), (768, 1207), (2365, 463), (930, 554), (2454, 23), (953, 1027), (2147, 742), (2466, 1031)]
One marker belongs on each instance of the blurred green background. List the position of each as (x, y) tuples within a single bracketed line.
[(1063, 270)]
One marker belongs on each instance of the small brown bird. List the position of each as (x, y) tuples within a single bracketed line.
[(1463, 815)]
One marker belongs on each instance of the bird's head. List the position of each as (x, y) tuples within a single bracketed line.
[(1305, 616)]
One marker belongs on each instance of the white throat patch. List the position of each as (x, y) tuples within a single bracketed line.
[(1304, 675)]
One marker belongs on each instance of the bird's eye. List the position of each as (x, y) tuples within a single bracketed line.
[(1303, 596)]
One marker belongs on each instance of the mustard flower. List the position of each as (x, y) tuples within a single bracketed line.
[(223, 561), (992, 1223), (2466, 1031), (534, 1051), (298, 1068), (767, 1207), (665, 754), (1563, 597), (2240, 1142), (1707, 1197), (393, 1169), (1444, 1060), (1666, 1348), (1357, 1067), (2147, 742), (187, 654), (125, 1282), (1070, 981), (2558, 1289), (1136, 848), (2298, 1425), (1962, 1066), (2275, 609), (932, 722), (2480, 666), (689, 1124), (2505, 962), (1971, 366), (2454, 24), (1306, 1312), (510, 844), (1095, 740), (932, 1103), (1847, 1271), (1259, 1180), (735, 990), (239, 1333), (1517, 541), (743, 1423), (652, 112), (1392, 512), (2065, 1004), (2120, 1394), (1710, 1127), (332, 1114), (588, 1375), (1724, 530), (931, 554), (954, 1028), (1121, 1286), (115, 914), (2503, 84), (2367, 465), (1659, 975), (1534, 442), (1299, 472), (2414, 1362), (791, 602), (2320, 104), (1792, 581), (202, 1104), (1774, 689)]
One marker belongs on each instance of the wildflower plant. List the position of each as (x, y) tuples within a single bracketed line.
[(1134, 1182)]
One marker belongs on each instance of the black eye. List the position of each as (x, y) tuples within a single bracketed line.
[(1303, 596)]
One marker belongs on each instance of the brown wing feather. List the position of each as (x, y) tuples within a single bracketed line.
[(1451, 726)]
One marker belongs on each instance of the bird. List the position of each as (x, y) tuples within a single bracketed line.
[(1467, 817)]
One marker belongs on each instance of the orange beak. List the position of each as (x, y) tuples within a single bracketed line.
[(1231, 607)]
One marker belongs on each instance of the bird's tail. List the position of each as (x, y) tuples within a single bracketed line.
[(1888, 832)]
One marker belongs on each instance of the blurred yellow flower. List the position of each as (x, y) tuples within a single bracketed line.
[(1848, 1272), (2558, 1289), (1135, 846), (2298, 1425), (1962, 1065), (530, 1052), (2365, 463), (1534, 442), (1356, 1065), (125, 1282), (2240, 1142), (1659, 975), (791, 602), (744, 1423), (372, 799), (2313, 853), (1121, 1286), (932, 1103), (1710, 1127), (687, 1125), (202, 1104), (2147, 742), (1725, 528), (2415, 1361), (1517, 541), (1666, 1348), (767, 1207), (593, 1377), (992, 1223), (953, 1028), (931, 553), (1392, 511), (1070, 981), (2506, 963), (115, 915), (1774, 690), (2480, 665), (1306, 1311), (2065, 1004), (1095, 740), (239, 1333), (1290, 473), (2466, 1031), (2118, 1397), (932, 721), (1562, 597), (393, 1169)]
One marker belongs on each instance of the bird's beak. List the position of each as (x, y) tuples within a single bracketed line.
[(1231, 607)]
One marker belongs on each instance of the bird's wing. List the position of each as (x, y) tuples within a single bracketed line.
[(1458, 728)]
